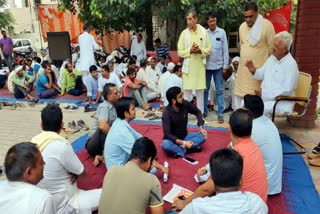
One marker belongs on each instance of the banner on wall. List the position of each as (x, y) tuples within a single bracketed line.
[(52, 20), (280, 18)]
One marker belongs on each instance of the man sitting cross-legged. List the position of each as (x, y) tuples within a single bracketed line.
[(46, 83), (104, 117), (22, 84), (226, 171), (130, 188), (24, 169), (176, 139), (63, 167), (71, 81), (254, 177), (136, 88), (266, 135), (122, 136), (92, 86)]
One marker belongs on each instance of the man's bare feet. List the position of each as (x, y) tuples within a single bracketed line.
[(98, 159)]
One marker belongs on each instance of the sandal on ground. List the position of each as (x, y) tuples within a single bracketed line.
[(220, 119)]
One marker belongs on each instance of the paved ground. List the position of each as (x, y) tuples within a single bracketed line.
[(23, 123)]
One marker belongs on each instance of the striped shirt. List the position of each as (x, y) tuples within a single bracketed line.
[(162, 51)]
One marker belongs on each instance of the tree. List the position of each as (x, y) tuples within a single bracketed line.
[(6, 18)]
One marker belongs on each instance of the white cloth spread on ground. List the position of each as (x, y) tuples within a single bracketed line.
[(255, 33), (187, 43)]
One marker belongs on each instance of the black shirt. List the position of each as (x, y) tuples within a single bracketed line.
[(175, 123)]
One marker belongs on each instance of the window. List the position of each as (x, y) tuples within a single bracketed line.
[(26, 43), (17, 44)]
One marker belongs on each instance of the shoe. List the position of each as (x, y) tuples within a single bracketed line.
[(90, 109), (73, 107), (195, 149), (35, 100), (220, 119), (83, 125), (149, 114), (70, 130), (73, 126), (210, 107), (316, 150), (66, 107), (314, 162), (229, 109), (204, 115), (154, 117), (313, 156)]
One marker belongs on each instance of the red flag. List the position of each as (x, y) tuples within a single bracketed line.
[(280, 18)]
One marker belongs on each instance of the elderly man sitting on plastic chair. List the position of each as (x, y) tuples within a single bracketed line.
[(279, 75)]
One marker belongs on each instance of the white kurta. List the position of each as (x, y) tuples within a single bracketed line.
[(279, 77), (87, 46), (138, 49), (21, 197)]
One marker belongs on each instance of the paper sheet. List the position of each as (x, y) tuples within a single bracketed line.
[(175, 192)]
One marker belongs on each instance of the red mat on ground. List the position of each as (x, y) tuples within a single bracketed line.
[(181, 172)]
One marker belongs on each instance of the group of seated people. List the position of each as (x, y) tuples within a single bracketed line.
[(246, 173)]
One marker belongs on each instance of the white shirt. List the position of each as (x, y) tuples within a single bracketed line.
[(112, 79), (141, 75), (87, 46), (138, 49), (172, 80), (227, 203), (60, 161), (266, 135), (10, 83), (162, 81), (160, 66), (279, 77), (21, 197)]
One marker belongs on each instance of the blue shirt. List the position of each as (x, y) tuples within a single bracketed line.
[(119, 142), (41, 82), (162, 51), (266, 136), (92, 87), (219, 54)]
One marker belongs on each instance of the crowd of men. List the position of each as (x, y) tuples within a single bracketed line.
[(245, 173)]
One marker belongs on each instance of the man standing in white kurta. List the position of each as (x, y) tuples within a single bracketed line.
[(193, 46), (138, 48), (279, 75), (87, 46)]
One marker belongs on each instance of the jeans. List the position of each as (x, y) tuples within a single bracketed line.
[(20, 92), (95, 144), (218, 81), (77, 91), (48, 93), (174, 149), (8, 58)]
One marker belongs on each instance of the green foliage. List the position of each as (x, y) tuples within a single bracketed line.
[(6, 18)]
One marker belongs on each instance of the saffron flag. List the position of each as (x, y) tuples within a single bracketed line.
[(280, 18)]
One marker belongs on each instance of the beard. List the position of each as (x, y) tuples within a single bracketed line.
[(179, 104)]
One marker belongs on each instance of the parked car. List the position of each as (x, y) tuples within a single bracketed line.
[(23, 45)]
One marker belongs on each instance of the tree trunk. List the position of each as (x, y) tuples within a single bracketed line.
[(149, 28)]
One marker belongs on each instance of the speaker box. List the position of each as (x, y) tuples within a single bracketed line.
[(59, 45)]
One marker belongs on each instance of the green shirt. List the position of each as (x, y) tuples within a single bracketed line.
[(22, 80), (69, 82)]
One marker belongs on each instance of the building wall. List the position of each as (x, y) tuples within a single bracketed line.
[(307, 52)]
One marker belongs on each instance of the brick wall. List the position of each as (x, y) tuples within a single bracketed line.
[(307, 53)]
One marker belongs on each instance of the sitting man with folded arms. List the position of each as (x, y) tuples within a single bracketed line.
[(176, 139), (123, 194), (136, 89), (46, 82), (254, 178), (63, 167), (104, 117), (226, 171), (121, 136), (22, 84), (279, 75), (24, 169), (266, 135), (71, 81)]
